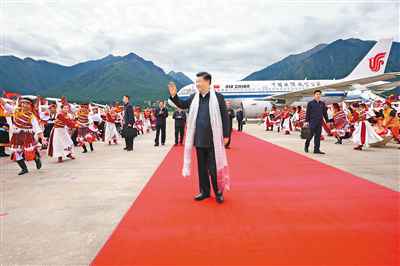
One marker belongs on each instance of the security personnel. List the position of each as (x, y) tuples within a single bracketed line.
[(180, 121), (161, 116), (129, 122), (239, 118), (316, 112)]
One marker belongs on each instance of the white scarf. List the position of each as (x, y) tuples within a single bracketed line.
[(223, 179)]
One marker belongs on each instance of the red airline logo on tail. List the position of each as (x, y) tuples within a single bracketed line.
[(376, 62)]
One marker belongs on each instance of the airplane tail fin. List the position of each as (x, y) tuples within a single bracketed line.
[(374, 63)]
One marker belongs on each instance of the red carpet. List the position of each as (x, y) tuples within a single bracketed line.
[(283, 209)]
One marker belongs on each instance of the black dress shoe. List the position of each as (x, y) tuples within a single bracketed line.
[(125, 148), (201, 196), (155, 145), (23, 171), (4, 155), (319, 152), (219, 198), (129, 149)]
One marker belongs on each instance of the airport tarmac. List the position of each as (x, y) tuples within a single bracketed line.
[(64, 213)]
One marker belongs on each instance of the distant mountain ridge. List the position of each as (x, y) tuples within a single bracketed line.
[(109, 78), (103, 80), (324, 61)]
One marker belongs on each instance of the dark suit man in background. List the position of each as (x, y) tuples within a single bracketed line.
[(231, 115), (180, 120), (161, 123), (203, 138), (239, 118), (129, 122), (316, 112)]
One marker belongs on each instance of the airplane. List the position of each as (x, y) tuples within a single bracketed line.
[(256, 96)]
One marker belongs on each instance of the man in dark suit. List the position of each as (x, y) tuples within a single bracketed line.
[(316, 112), (161, 123), (231, 115), (129, 122), (239, 118), (180, 120), (203, 138)]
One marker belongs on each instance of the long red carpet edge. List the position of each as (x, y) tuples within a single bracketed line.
[(283, 209)]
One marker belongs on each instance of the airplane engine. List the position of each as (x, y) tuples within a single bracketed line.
[(254, 108)]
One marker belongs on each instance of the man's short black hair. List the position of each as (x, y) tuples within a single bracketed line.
[(127, 96), (205, 76), (316, 91)]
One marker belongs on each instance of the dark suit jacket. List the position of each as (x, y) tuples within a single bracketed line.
[(180, 118), (203, 134), (129, 118), (239, 115), (316, 112), (161, 115)]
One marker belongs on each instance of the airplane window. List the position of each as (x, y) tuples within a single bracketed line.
[(286, 85), (299, 84)]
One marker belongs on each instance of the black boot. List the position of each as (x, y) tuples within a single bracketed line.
[(38, 161), (91, 146), (24, 169), (84, 148)]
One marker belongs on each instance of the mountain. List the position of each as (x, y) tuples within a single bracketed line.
[(103, 80), (180, 78), (325, 61)]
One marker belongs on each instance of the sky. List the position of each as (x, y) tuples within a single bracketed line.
[(228, 38)]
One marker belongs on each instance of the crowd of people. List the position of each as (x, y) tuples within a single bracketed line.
[(372, 123), (29, 126)]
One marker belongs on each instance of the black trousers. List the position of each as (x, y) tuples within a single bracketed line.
[(207, 168), (162, 129), (229, 138), (316, 133), (240, 125), (179, 132), (129, 142), (129, 137)]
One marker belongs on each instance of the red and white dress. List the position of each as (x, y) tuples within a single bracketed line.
[(111, 133), (60, 142), (341, 124), (23, 144), (364, 133), (299, 118), (85, 135), (287, 122)]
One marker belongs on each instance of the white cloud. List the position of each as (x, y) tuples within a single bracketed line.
[(230, 39)]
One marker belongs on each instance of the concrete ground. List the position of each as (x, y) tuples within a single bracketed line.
[(64, 213)]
